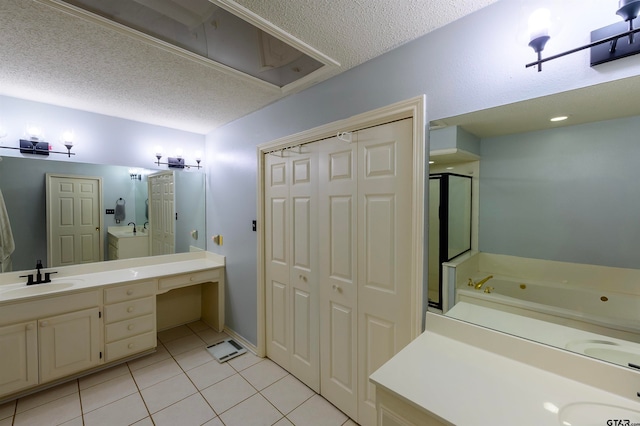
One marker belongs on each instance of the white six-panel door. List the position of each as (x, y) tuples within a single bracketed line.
[(162, 220), (74, 220)]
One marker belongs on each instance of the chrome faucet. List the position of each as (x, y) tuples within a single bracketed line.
[(480, 283), (134, 226), (39, 280)]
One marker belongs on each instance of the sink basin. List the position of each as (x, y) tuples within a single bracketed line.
[(30, 290), (617, 353), (595, 414)]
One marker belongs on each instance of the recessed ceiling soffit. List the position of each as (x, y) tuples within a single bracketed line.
[(219, 33)]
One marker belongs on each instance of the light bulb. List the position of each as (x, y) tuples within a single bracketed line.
[(34, 131), (539, 23), (179, 152), (68, 137), (158, 151), (198, 155)]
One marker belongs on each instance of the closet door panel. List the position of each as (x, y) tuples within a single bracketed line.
[(384, 249), (341, 373), (338, 274), (277, 259), (305, 321)]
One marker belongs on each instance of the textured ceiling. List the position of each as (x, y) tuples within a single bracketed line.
[(54, 57)]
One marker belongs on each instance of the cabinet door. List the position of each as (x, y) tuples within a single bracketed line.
[(69, 343), (19, 349)]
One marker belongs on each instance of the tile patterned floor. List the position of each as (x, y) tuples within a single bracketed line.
[(180, 384)]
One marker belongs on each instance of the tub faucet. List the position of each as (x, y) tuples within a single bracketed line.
[(480, 283)]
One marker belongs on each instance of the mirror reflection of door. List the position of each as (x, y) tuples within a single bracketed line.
[(74, 222), (162, 216)]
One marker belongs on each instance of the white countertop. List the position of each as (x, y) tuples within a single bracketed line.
[(467, 385), (80, 277)]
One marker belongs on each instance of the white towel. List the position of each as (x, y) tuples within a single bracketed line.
[(7, 245)]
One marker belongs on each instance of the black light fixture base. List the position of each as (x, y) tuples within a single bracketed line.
[(34, 147), (603, 53), (175, 163)]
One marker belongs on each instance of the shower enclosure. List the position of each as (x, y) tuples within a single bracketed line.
[(449, 226)]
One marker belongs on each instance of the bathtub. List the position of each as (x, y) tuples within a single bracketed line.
[(608, 313)]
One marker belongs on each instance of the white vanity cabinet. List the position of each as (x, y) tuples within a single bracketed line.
[(127, 246), (50, 333), (49, 338), (19, 349), (130, 319)]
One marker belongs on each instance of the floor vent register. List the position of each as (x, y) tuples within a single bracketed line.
[(225, 350)]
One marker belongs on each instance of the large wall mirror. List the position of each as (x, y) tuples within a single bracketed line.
[(22, 182), (558, 221)]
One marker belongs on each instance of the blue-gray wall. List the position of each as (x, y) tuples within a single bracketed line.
[(569, 194), (471, 64), (100, 139)]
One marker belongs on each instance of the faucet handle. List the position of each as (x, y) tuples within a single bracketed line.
[(47, 276), (28, 277)]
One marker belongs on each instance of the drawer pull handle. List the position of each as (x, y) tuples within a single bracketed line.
[(131, 327), (131, 345), (337, 288), (129, 292), (44, 323), (303, 278), (192, 278), (130, 309)]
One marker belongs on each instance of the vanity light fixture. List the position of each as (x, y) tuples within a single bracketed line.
[(36, 145), (177, 162), (135, 174), (606, 44)]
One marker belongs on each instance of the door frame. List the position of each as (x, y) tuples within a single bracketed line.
[(101, 234), (412, 108)]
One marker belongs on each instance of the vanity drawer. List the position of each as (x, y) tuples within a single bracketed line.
[(188, 279), (129, 309), (130, 346), (129, 328), (129, 292)]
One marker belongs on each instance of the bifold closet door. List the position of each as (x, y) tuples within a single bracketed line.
[(338, 185), (291, 268), (365, 261), (385, 173)]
